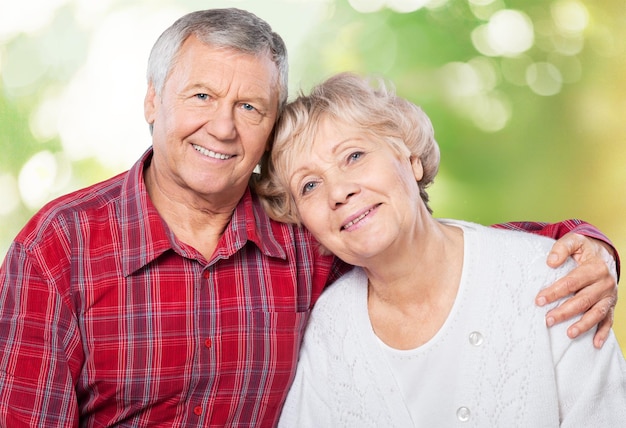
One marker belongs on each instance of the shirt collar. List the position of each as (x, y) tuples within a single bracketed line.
[(145, 236), (250, 222)]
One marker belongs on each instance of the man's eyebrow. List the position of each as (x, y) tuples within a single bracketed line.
[(197, 87)]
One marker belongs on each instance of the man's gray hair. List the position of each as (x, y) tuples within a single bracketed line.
[(225, 28)]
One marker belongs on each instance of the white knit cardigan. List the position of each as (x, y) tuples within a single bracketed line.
[(499, 366)]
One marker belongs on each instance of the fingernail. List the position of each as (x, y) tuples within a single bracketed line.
[(541, 301), (550, 321), (574, 332)]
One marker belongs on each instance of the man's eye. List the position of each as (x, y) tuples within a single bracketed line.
[(202, 97)]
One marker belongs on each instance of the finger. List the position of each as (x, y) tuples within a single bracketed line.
[(598, 315), (572, 307), (567, 245), (604, 329), (571, 283)]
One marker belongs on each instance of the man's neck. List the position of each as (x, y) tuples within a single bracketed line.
[(196, 221)]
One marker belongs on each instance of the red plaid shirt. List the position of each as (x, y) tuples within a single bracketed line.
[(107, 318)]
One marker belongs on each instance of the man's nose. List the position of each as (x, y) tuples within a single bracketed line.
[(221, 123)]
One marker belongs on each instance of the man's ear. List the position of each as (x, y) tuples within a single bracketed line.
[(149, 104), (418, 169)]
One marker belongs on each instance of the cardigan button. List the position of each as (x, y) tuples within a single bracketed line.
[(463, 414), (476, 338)]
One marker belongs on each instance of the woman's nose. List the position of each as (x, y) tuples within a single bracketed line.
[(341, 189)]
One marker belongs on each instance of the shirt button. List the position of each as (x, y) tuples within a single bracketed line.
[(476, 338), (197, 410), (206, 274), (208, 343), (463, 414)]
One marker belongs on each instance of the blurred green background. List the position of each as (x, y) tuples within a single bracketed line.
[(528, 98)]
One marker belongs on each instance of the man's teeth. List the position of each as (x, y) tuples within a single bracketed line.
[(211, 153), (356, 220)]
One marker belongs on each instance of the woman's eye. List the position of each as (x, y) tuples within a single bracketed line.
[(308, 187), (355, 156), (248, 107), (202, 97)]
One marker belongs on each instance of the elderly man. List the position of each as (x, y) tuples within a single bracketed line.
[(165, 296)]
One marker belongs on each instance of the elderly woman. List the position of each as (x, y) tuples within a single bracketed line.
[(436, 325)]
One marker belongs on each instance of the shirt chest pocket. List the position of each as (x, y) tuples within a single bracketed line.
[(260, 350)]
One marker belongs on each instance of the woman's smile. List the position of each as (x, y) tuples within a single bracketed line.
[(355, 221)]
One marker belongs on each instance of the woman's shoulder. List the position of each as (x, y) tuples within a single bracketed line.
[(344, 296), (520, 247), (348, 287), (506, 261)]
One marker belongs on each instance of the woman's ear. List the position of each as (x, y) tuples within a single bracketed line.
[(418, 170)]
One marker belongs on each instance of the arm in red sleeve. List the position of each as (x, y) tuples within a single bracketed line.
[(558, 230), (39, 345)]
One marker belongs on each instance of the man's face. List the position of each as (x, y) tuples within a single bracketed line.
[(212, 121)]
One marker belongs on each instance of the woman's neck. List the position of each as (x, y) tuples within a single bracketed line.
[(411, 295)]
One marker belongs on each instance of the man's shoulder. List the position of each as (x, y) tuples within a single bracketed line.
[(74, 207), (88, 198)]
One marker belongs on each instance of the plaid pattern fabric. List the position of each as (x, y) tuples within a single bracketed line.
[(107, 318)]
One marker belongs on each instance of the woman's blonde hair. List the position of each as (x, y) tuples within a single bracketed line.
[(355, 102)]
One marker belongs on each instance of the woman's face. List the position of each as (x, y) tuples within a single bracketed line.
[(357, 196)]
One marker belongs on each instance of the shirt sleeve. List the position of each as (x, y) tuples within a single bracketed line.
[(38, 332), (560, 229)]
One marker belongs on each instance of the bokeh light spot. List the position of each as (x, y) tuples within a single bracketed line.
[(570, 16), (406, 6), (571, 44), (44, 176), (544, 78), (9, 194), (36, 178), (470, 89), (480, 40), (461, 79), (22, 67), (510, 32), (43, 121), (491, 113), (367, 6), (17, 18)]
